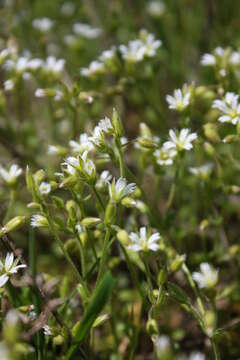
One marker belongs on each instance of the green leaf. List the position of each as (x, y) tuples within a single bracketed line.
[(97, 303)]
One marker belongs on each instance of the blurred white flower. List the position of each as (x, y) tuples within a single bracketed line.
[(8, 85), (95, 68), (86, 31), (10, 176), (208, 60), (150, 45), (106, 125), (120, 189), (52, 65), (108, 54), (97, 137), (8, 267), (39, 221), (235, 58), (180, 141), (202, 172), (156, 8), (161, 343), (104, 179), (82, 145), (230, 108), (44, 188), (47, 330), (165, 155), (143, 242), (207, 277), (196, 355), (43, 24), (133, 52), (179, 101), (67, 8)]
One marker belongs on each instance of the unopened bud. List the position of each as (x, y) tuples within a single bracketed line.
[(13, 224), (90, 221)]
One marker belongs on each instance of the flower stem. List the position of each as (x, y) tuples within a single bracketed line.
[(104, 255)]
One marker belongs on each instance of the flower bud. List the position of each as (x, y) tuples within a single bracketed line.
[(39, 176), (118, 129), (58, 340), (209, 149), (162, 277), (13, 224), (177, 263), (71, 246), (90, 221), (110, 213), (211, 133), (152, 327), (123, 237)]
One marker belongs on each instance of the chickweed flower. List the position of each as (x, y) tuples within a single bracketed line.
[(196, 355), (86, 31), (42, 24), (180, 141), (8, 267), (10, 176), (81, 165), (39, 221), (229, 107), (133, 52), (104, 179), (106, 125), (179, 101), (95, 68), (207, 277), (120, 189), (143, 242), (54, 66), (82, 145), (165, 155), (202, 172), (44, 188)]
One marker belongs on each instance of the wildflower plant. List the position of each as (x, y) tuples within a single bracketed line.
[(119, 180)]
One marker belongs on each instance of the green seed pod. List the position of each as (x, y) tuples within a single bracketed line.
[(13, 224), (117, 124), (58, 340), (90, 221), (39, 176), (211, 133), (123, 237), (162, 277), (110, 213)]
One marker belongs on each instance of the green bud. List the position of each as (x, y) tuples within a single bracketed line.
[(71, 246), (33, 205), (128, 202), (30, 181), (100, 320), (177, 263), (230, 139), (211, 133), (90, 221), (11, 327), (162, 277), (82, 292), (58, 202), (123, 237), (147, 143), (39, 176), (209, 149), (110, 213), (152, 327), (118, 129), (13, 224), (58, 340)]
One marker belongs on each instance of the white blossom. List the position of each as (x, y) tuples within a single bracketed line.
[(151, 45), (8, 85), (106, 125), (180, 141), (196, 355), (120, 189), (95, 67), (44, 188), (42, 24), (86, 31), (54, 66), (39, 221), (229, 107), (104, 179), (108, 54), (10, 176), (47, 330), (156, 8), (67, 8), (162, 344), (133, 52), (207, 277), (8, 267), (179, 101), (165, 155), (143, 242), (208, 60), (202, 171), (82, 145)]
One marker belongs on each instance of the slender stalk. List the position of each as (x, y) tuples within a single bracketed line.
[(82, 257), (98, 197), (121, 160), (104, 255), (10, 206), (215, 349)]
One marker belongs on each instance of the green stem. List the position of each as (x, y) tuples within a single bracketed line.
[(104, 255), (82, 257), (98, 197), (10, 206), (215, 349), (121, 160)]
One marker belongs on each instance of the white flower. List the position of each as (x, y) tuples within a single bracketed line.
[(79, 228), (10, 176), (181, 141), (39, 221), (86, 31), (196, 355), (165, 156), (230, 108), (235, 58), (8, 85), (207, 277), (156, 8), (95, 68), (67, 8), (144, 242), (161, 343), (53, 150), (108, 54), (47, 330), (179, 101), (53, 65), (43, 24), (82, 164), (8, 267), (40, 93), (202, 171), (44, 188), (35, 64), (104, 179), (82, 145), (208, 60), (97, 137), (120, 189), (106, 125), (133, 52), (4, 351), (151, 45)]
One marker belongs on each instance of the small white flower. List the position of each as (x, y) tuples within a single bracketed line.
[(230, 108), (208, 60), (120, 189), (8, 85), (156, 8), (133, 52), (10, 176), (82, 145), (40, 93), (106, 125), (207, 277), (43, 24), (179, 101), (53, 150), (165, 156), (143, 242), (181, 141), (108, 54), (47, 330), (67, 8), (95, 68), (44, 188), (35, 64), (202, 171), (8, 267), (86, 31), (104, 179), (161, 343), (54, 66), (151, 45), (39, 221), (97, 137), (82, 164), (196, 355), (235, 58), (79, 228)]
